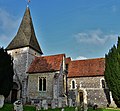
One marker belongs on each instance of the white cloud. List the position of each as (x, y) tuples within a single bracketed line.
[(94, 37), (7, 20), (8, 27), (81, 58)]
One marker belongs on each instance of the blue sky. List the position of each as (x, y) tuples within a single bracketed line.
[(78, 28)]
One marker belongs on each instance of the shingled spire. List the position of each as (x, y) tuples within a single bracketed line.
[(25, 36)]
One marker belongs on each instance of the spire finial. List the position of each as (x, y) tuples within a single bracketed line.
[(28, 2)]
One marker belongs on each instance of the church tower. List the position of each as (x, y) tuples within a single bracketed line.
[(23, 48)]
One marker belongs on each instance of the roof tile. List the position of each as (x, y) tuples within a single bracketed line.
[(46, 63), (89, 67), (25, 35)]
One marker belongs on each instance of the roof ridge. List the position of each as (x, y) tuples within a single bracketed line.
[(52, 55), (89, 59), (88, 67)]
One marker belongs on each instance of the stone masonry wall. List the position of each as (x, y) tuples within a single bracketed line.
[(86, 82), (22, 59), (95, 94), (33, 84)]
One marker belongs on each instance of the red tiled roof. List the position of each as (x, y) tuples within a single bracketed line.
[(46, 63), (89, 67)]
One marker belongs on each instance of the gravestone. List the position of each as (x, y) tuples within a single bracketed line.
[(76, 109), (18, 106), (64, 101), (62, 109), (45, 104), (85, 107), (53, 106), (1, 101), (70, 102), (32, 102), (59, 102), (38, 107)]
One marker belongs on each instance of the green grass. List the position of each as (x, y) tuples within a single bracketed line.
[(59, 109), (56, 109), (69, 109), (110, 110), (100, 109), (9, 107), (29, 108)]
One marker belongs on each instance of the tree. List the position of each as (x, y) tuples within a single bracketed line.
[(112, 71), (6, 72)]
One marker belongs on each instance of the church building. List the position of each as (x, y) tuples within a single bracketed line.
[(86, 81), (53, 77), (23, 48)]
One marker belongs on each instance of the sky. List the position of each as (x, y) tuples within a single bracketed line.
[(79, 28)]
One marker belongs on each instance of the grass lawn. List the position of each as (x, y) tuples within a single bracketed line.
[(9, 107), (109, 109), (59, 109)]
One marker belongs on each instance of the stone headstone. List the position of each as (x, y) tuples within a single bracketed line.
[(45, 104), (32, 102), (18, 105), (76, 109), (38, 107), (70, 102), (2, 98), (64, 101), (45, 107), (59, 102), (85, 107), (62, 109), (53, 106)]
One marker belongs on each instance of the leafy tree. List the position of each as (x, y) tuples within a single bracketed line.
[(112, 71), (6, 72)]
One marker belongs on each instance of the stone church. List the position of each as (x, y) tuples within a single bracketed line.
[(54, 77)]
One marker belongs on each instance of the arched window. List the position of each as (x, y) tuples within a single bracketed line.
[(73, 84), (42, 83), (103, 83), (81, 97)]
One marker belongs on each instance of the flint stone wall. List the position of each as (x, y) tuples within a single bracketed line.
[(22, 60), (33, 84), (93, 87)]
